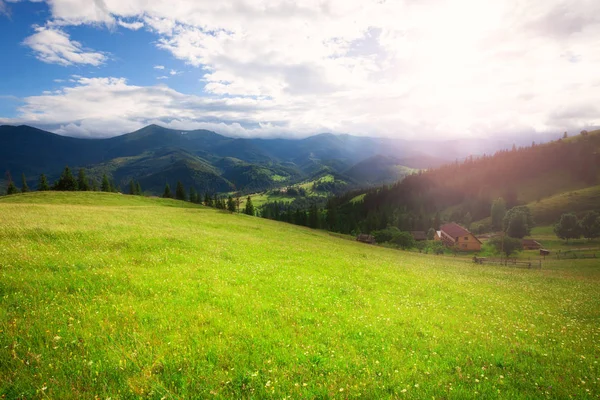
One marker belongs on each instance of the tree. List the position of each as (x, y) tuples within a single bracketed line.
[(237, 202), (430, 234), (568, 227), (208, 201), (66, 182), (230, 204), (138, 189), (516, 210), (167, 193), (193, 195), (506, 244), (498, 213), (249, 207), (131, 187), (565, 135), (517, 225), (43, 184), (82, 181), (105, 187), (24, 187), (404, 240), (590, 225), (94, 185), (180, 191), (313, 217), (11, 188)]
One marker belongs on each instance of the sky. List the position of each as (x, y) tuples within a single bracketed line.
[(284, 68)]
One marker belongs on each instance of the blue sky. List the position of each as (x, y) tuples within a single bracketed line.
[(265, 68)]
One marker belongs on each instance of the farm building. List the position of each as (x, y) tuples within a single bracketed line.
[(531, 244), (419, 235), (363, 237), (454, 235)]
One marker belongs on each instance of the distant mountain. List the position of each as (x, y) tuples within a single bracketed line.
[(379, 169), (212, 162)]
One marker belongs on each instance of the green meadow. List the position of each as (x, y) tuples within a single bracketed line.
[(122, 297)]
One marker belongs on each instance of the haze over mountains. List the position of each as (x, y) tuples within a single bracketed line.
[(215, 163)]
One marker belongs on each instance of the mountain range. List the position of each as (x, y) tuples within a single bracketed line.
[(211, 162)]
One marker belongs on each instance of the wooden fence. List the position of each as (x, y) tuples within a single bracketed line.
[(513, 262)]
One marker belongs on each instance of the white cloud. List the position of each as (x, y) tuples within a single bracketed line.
[(159, 67), (174, 72), (4, 10), (134, 26), (398, 68), (54, 46), (162, 77)]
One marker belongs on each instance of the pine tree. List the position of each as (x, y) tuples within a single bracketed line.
[(66, 182), (194, 197), (138, 189), (167, 193), (105, 184), (249, 207), (131, 187), (94, 185), (180, 192), (24, 187), (208, 201), (11, 188), (43, 184), (498, 212), (230, 204), (82, 181)]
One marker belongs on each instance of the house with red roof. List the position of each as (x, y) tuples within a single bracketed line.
[(454, 235)]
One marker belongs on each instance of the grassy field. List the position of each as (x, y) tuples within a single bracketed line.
[(107, 295)]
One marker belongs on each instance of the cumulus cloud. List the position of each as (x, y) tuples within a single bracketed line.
[(53, 46), (134, 26), (396, 68)]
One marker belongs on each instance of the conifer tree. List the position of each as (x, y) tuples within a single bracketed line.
[(105, 184), (249, 207), (11, 188), (82, 181), (66, 182), (43, 184), (208, 201), (132, 187), (193, 195), (180, 191), (167, 193), (24, 187), (94, 185), (230, 204), (138, 189)]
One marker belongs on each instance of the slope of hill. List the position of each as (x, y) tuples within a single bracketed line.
[(106, 295), (31, 151), (463, 192), (379, 169)]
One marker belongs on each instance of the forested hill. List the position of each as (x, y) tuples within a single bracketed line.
[(463, 192), (211, 162)]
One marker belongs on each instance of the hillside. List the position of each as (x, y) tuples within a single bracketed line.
[(551, 178), (32, 151), (107, 295)]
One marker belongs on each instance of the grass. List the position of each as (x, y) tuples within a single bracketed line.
[(549, 210), (106, 295)]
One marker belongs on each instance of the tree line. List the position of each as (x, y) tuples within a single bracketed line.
[(68, 182), (209, 200)]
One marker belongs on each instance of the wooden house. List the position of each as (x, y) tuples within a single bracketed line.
[(531, 244), (454, 235), (419, 235), (363, 237)]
